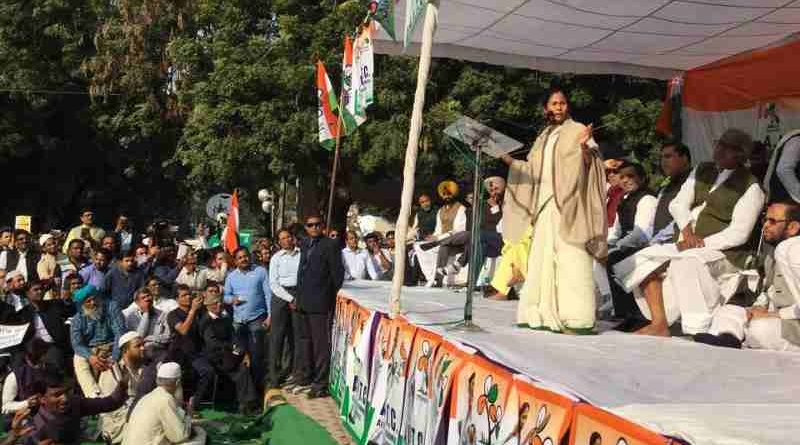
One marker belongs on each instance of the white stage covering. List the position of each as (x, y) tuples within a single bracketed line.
[(699, 393), (647, 38)]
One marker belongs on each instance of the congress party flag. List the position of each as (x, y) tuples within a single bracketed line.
[(348, 89), (231, 235), (363, 70), (328, 107)]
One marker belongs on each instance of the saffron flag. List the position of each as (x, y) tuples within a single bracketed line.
[(363, 80), (231, 236), (328, 107), (348, 111)]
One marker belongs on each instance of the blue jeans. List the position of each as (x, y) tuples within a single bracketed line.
[(250, 337)]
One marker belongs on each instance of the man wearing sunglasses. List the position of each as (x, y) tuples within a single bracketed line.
[(320, 275), (773, 321)]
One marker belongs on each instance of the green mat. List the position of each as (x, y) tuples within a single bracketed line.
[(281, 425)]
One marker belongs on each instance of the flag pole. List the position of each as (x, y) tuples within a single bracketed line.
[(335, 162), (409, 171)]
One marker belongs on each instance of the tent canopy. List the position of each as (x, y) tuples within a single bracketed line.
[(646, 38)]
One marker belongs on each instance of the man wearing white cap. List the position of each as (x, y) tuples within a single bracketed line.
[(157, 419), (15, 290), (131, 364)]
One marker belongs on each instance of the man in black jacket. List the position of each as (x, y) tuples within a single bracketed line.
[(47, 320), (319, 278), (225, 355)]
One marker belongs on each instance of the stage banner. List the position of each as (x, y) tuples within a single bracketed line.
[(420, 405), (389, 385), (593, 426), (339, 334), (448, 360), (355, 397), (535, 415), (479, 402)]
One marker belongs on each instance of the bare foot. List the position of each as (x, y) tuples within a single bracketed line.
[(516, 276), (654, 329)]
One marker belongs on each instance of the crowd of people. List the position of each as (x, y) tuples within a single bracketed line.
[(139, 330)]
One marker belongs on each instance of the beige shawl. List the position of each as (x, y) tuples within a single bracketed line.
[(579, 190)]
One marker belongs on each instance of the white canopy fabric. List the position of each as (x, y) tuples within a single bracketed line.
[(646, 38)]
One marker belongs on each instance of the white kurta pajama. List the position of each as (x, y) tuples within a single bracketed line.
[(767, 333), (427, 258), (699, 280), (559, 290)]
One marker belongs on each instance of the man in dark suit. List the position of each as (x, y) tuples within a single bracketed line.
[(21, 257), (47, 320), (319, 278)]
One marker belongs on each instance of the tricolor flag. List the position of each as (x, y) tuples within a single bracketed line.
[(230, 238), (328, 107), (363, 70), (349, 118)]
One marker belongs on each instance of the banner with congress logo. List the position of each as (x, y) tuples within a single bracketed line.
[(479, 402), (339, 334), (535, 415), (390, 386), (593, 426), (420, 405), (448, 360), (355, 398)]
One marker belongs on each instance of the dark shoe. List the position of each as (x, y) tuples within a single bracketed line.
[(631, 324), (318, 393), (724, 340)]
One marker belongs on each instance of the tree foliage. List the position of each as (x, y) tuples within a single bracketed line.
[(187, 97)]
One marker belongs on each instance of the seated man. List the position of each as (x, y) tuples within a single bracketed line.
[(491, 242), (58, 419), (676, 164), (715, 211), (629, 233), (131, 365), (451, 218), (224, 354), (378, 260), (24, 384), (773, 322), (47, 320), (151, 324), (187, 341), (95, 332), (158, 418)]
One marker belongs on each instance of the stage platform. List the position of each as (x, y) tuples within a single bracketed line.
[(672, 386)]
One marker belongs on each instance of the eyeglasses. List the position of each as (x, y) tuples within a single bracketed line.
[(314, 224)]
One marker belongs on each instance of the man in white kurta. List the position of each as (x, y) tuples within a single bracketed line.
[(715, 212), (131, 364), (157, 419), (451, 218), (773, 322), (560, 191)]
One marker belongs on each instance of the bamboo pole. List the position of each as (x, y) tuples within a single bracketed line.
[(409, 171), (335, 161)]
